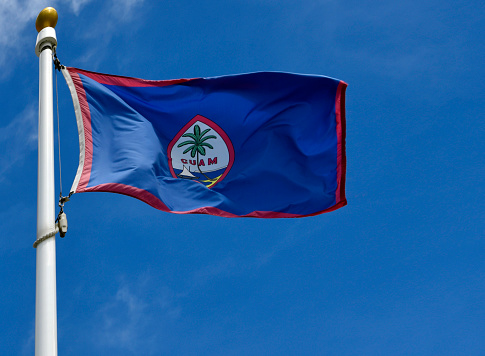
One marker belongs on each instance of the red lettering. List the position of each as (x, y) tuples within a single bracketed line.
[(184, 161), (201, 163), (212, 161), (193, 162)]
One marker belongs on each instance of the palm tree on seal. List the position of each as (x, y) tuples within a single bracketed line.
[(197, 144)]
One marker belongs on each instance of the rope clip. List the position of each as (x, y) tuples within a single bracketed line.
[(62, 224), (57, 62)]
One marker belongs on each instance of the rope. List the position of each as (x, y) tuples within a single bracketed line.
[(45, 237), (59, 66), (58, 136), (61, 221)]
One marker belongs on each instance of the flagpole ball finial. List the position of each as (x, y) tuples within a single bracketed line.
[(46, 18)]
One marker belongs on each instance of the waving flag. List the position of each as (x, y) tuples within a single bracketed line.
[(264, 144)]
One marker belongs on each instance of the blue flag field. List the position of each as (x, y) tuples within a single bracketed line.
[(265, 144)]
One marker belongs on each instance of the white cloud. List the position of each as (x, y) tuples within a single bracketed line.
[(122, 9), (17, 28), (28, 346), (18, 138), (134, 318), (103, 26), (18, 16), (123, 317), (15, 16), (77, 4), (235, 265)]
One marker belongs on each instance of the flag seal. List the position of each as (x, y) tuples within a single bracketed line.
[(201, 151)]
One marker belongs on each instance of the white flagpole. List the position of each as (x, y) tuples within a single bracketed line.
[(45, 294)]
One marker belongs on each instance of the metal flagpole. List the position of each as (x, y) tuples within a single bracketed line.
[(45, 294)]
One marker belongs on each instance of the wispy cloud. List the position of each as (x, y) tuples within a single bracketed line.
[(17, 139), (140, 315), (17, 16), (77, 4), (134, 318), (28, 346), (104, 27), (235, 265), (122, 9)]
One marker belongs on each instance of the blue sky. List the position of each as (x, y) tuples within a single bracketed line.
[(399, 271)]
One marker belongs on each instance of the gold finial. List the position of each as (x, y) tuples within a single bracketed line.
[(46, 18)]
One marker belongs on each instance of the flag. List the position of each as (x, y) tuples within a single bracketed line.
[(265, 144)]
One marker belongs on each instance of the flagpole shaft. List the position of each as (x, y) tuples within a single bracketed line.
[(45, 295)]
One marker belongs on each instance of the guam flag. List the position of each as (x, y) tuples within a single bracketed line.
[(266, 144)]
